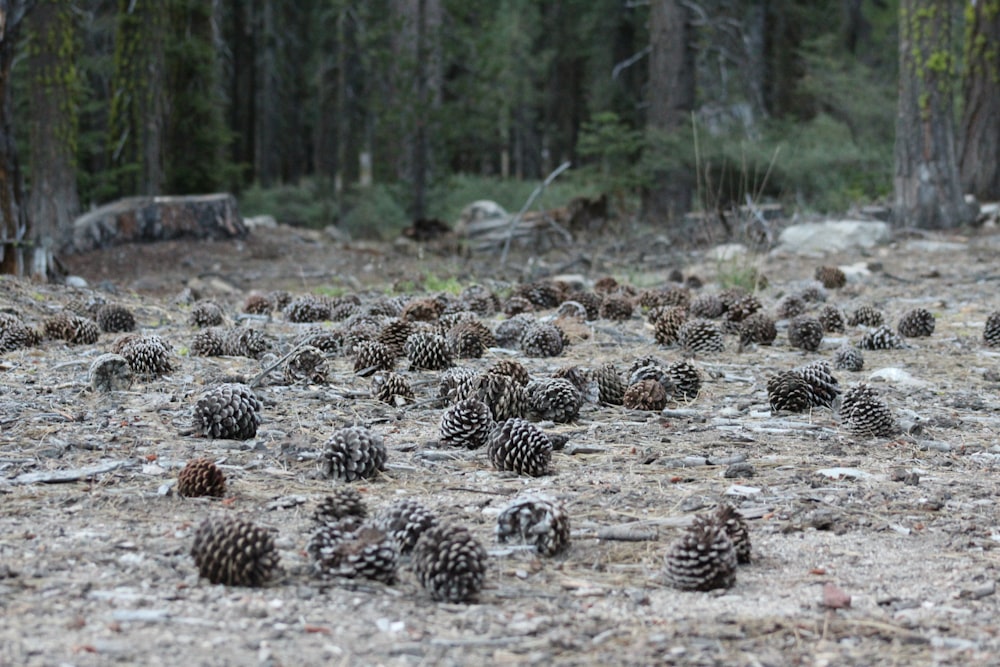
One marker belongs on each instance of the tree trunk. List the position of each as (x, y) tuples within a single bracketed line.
[(14, 222), (53, 202), (928, 191), (979, 162), (671, 100)]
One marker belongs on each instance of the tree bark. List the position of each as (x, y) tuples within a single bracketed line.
[(979, 161), (928, 191), (671, 100)]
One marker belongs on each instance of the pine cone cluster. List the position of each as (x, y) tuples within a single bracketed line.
[(405, 521), (148, 356), (519, 446), (700, 336), (537, 520), (702, 559), (467, 423), (73, 329), (991, 332), (805, 332), (450, 563), (229, 411), (392, 389), (881, 338), (542, 340), (371, 356), (115, 318), (848, 358), (427, 351), (352, 453), (361, 552), (916, 323), (306, 309), (206, 313), (553, 399), (832, 277), (234, 552), (863, 412), (201, 477)]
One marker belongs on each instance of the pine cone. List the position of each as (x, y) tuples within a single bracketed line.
[(572, 310), (848, 358), (542, 294), (757, 329), (307, 364), (789, 391), (480, 300), (736, 528), (229, 411), (651, 371), (427, 351), (73, 329), (553, 399), (208, 343), (450, 563), (371, 356), (667, 325), (331, 341), (257, 304), (707, 306), (280, 298), (991, 332), (365, 553), (422, 310), (342, 502), (352, 453), (388, 306), (519, 446), (344, 307), (580, 379), (147, 356), (805, 333), (14, 334), (537, 520), (113, 318), (511, 367), (359, 329), (244, 342), (466, 424), (813, 293), (509, 332), (611, 390), (201, 477), (517, 305), (700, 337), (866, 315), (455, 385), (741, 308), (307, 309), (832, 319), (645, 395), (502, 393), (616, 307), (881, 338), (823, 387), (86, 305), (393, 389), (703, 559), (831, 277), (916, 323), (542, 340), (606, 285), (470, 339), (234, 552), (790, 306), (864, 412), (685, 378), (206, 313), (394, 334), (590, 301), (405, 521)]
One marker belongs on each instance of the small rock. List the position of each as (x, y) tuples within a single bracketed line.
[(742, 469), (834, 597)]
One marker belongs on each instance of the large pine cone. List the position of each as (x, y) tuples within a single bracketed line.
[(114, 318), (789, 391), (707, 306), (307, 364), (610, 388), (466, 424), (667, 325), (805, 332), (230, 411), (450, 563), (307, 309), (702, 559), (511, 367), (505, 396), (353, 453), (234, 552), (916, 323), (537, 520), (394, 334), (427, 351), (371, 356), (206, 313), (757, 329), (646, 394), (832, 319), (863, 412), (14, 334), (700, 337), (208, 343), (542, 340), (245, 342), (554, 399), (519, 446), (201, 477), (147, 355), (73, 329), (685, 378)]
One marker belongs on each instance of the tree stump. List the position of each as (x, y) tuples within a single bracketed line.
[(150, 219)]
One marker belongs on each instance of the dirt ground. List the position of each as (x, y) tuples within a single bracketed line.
[(97, 571)]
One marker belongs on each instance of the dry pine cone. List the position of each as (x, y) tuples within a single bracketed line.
[(519, 446), (450, 563), (234, 552), (201, 477), (229, 411), (353, 453), (537, 520)]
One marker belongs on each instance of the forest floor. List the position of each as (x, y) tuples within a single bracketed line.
[(97, 571)]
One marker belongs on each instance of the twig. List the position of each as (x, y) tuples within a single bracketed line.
[(515, 221), (622, 534)]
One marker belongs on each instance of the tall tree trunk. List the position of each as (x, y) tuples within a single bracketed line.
[(14, 222), (671, 100), (266, 100), (979, 162), (53, 202), (928, 191)]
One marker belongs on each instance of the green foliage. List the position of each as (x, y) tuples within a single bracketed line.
[(616, 147), (305, 204), (455, 193), (376, 212), (435, 283)]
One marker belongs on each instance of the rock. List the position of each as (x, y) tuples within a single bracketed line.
[(110, 372), (834, 597), (480, 211), (260, 221), (726, 252), (819, 238), (897, 376), (76, 281)]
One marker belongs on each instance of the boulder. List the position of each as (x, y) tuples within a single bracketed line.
[(818, 238)]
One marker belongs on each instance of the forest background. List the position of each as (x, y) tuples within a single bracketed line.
[(368, 114)]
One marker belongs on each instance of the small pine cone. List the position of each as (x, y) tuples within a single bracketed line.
[(645, 395), (805, 333), (579, 379), (572, 310), (352, 453), (469, 339), (848, 358), (388, 306), (991, 332), (789, 391), (832, 277), (511, 367), (307, 309), (742, 308), (147, 356), (14, 334), (823, 387), (422, 310), (480, 300), (610, 388), (307, 364), (651, 371), (685, 378), (516, 305), (393, 389), (363, 553), (916, 323), (257, 304), (229, 411), (114, 318), (427, 351), (280, 299), (881, 338), (344, 307), (707, 306), (832, 319), (371, 356), (342, 502), (331, 341), (542, 340), (405, 521), (866, 315), (450, 563), (616, 307), (537, 520), (757, 329), (736, 528), (606, 285), (668, 324), (676, 295), (542, 294), (553, 399), (234, 552), (245, 342), (700, 337), (703, 559), (790, 306), (359, 330), (455, 385), (590, 301), (519, 446), (73, 329), (394, 334), (206, 313), (504, 395), (466, 424), (208, 343), (864, 412), (731, 296), (201, 477), (509, 332), (813, 293), (85, 306)]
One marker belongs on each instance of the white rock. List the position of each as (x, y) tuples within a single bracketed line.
[(897, 376), (726, 252), (819, 238), (260, 221), (75, 281)]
